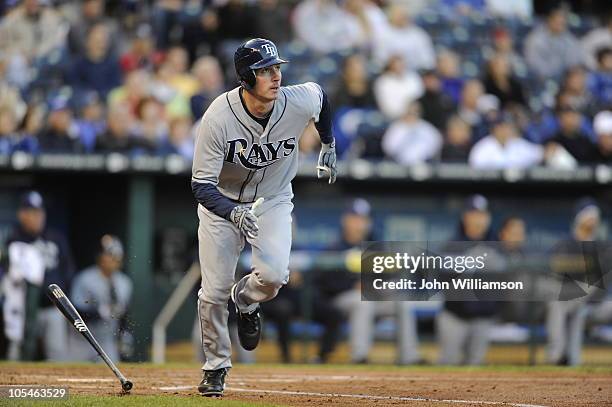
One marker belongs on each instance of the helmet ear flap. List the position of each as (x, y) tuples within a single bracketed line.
[(248, 80)]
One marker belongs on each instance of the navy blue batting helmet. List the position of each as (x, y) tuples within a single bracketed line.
[(254, 54)]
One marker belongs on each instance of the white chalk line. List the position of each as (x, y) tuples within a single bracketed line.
[(84, 386), (357, 396), (283, 378), (244, 379)]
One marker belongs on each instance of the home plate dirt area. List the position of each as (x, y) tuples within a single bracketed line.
[(337, 385)]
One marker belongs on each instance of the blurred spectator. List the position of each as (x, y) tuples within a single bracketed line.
[(413, 7), (499, 81), (91, 121), (202, 36), (551, 48), (371, 21), (600, 81), (151, 124), (237, 19), (411, 140), (503, 44), (572, 259), (272, 20), (462, 8), (37, 256), (325, 27), (463, 326), (504, 148), (29, 32), (8, 131), (136, 87), (119, 138), (448, 71), (406, 39), (354, 88), (437, 106), (468, 108), (98, 69), (458, 141), (10, 98), (166, 88), (546, 125), (597, 39), (60, 135), (180, 79), (91, 13), (167, 22), (574, 85), (571, 137), (180, 140), (101, 293), (510, 9), (141, 53), (31, 125), (207, 72), (487, 111), (603, 129), (397, 87)]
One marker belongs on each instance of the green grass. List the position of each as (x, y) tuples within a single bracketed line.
[(170, 401)]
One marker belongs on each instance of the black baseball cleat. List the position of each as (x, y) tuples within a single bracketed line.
[(249, 325), (213, 383)]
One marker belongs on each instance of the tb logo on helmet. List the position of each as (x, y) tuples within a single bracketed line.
[(270, 49)]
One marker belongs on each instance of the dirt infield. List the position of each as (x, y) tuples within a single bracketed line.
[(307, 385)]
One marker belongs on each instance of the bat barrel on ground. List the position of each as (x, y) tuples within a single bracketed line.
[(62, 302)]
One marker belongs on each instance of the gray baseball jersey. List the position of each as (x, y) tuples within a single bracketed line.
[(243, 159)]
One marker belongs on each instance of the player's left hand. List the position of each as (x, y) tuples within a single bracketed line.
[(327, 162)]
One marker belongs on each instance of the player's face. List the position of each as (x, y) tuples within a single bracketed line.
[(476, 223), (108, 263), (32, 220), (268, 82)]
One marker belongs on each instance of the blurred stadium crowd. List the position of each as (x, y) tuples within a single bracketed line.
[(489, 83)]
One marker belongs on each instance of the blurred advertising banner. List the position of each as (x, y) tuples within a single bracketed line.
[(485, 271)]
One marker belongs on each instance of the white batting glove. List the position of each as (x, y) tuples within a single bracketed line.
[(327, 162), (245, 218)]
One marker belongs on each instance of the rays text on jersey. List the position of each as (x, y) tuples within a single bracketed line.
[(258, 156)]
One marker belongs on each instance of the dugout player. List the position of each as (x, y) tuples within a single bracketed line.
[(36, 256), (246, 155)]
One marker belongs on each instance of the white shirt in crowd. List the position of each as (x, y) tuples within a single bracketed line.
[(411, 42), (490, 154), (325, 27), (596, 39), (394, 93), (411, 143), (510, 9)]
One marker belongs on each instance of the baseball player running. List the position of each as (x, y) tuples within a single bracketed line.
[(246, 155)]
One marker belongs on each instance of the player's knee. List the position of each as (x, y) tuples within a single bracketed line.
[(273, 280), (272, 271), (274, 276)]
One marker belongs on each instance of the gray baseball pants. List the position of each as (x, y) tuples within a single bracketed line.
[(220, 245)]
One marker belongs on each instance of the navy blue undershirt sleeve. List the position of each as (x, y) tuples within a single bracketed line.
[(324, 125), (213, 200)]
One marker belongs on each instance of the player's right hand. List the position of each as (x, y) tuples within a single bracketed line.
[(245, 220), (327, 162)]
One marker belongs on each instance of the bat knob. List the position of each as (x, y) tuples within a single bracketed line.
[(127, 385)]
